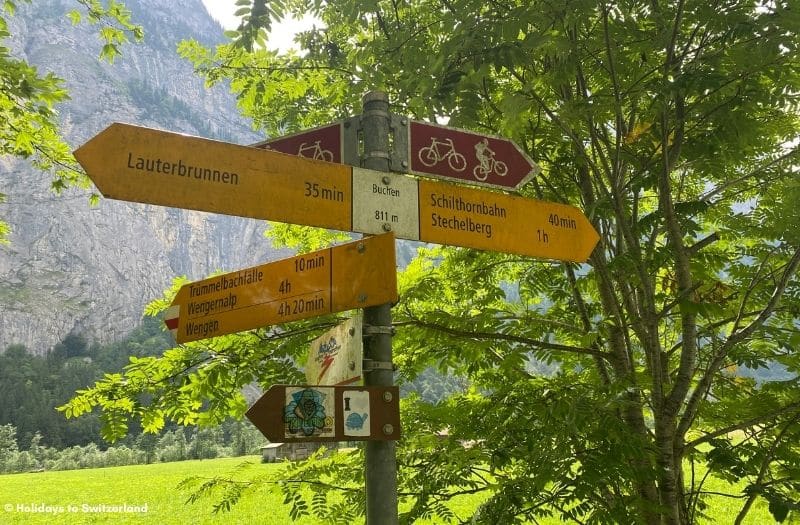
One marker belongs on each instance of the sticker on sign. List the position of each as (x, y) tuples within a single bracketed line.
[(335, 357)]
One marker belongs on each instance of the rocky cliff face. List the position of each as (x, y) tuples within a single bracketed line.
[(76, 268)]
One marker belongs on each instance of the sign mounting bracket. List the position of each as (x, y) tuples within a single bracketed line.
[(398, 146), (370, 330), (371, 365)]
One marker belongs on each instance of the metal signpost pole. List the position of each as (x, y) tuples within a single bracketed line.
[(381, 462)]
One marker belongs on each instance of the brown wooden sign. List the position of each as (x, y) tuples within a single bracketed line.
[(287, 413), (468, 157)]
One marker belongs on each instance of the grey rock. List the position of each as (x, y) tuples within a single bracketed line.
[(72, 267)]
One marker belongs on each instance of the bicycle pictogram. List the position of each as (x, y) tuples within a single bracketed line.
[(488, 163), (441, 150), (313, 150)]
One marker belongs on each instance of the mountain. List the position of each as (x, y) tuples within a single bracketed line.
[(74, 268)]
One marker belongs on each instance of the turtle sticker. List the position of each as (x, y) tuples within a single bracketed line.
[(356, 421), (355, 411)]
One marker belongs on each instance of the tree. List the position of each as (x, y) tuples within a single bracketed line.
[(8, 442), (29, 126), (673, 125), (147, 443)]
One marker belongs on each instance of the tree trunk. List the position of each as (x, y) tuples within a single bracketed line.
[(668, 475)]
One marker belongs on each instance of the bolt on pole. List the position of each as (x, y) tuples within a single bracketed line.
[(381, 460)]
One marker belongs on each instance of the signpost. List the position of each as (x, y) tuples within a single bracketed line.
[(335, 357), (440, 151), (158, 167), (468, 157), (380, 457), (352, 275), (308, 179), (327, 413)]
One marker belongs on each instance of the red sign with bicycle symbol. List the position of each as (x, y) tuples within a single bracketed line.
[(468, 157), (323, 143)]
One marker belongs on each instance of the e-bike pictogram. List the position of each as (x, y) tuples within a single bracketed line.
[(488, 162)]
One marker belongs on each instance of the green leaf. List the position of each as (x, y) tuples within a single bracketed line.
[(109, 52), (778, 507), (74, 16)]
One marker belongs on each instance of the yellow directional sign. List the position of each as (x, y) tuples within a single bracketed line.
[(443, 213), (466, 216), (146, 165), (158, 167), (352, 275)]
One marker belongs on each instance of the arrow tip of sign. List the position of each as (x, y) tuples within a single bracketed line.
[(590, 243), (171, 317)]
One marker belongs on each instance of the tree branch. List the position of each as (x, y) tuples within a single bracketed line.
[(789, 271), (742, 425), (278, 69), (764, 469), (724, 187), (494, 336)]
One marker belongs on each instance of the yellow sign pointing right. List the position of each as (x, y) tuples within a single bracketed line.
[(468, 216)]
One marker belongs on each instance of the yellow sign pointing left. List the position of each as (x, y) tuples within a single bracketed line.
[(146, 165), (353, 275)]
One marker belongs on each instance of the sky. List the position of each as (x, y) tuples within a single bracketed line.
[(281, 35)]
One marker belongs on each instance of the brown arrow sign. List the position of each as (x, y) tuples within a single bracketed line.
[(322, 143), (468, 157), (327, 413)]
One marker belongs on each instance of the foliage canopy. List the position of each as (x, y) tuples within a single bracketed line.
[(674, 126)]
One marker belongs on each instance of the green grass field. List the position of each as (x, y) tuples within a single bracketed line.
[(137, 485), (77, 496)]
